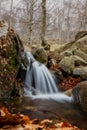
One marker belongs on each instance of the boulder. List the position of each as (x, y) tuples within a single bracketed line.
[(79, 94), (80, 44), (57, 75), (67, 64), (68, 52), (80, 54), (40, 55), (11, 52), (78, 61), (77, 47), (84, 77), (80, 71)]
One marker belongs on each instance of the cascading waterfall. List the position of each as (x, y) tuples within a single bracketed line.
[(39, 82)]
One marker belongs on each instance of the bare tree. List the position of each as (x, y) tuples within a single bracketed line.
[(30, 13), (43, 29)]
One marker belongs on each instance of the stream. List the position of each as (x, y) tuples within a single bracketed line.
[(48, 109)]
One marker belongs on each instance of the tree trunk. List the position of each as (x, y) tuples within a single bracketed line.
[(31, 20), (43, 31)]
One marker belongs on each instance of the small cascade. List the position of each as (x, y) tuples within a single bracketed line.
[(38, 78), (39, 82)]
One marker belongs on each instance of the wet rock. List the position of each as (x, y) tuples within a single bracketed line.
[(79, 94), (40, 55), (11, 51), (68, 92), (58, 76)]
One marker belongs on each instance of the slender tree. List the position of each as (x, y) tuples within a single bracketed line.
[(31, 12), (43, 29)]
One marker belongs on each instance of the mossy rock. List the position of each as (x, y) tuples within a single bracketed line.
[(11, 50), (40, 55)]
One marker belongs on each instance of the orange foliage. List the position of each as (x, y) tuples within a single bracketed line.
[(10, 121), (68, 83), (6, 118)]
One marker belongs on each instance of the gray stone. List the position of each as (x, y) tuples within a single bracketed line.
[(81, 54), (80, 71), (67, 64), (79, 94)]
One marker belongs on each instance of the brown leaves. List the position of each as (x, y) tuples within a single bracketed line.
[(68, 83), (10, 121), (6, 118)]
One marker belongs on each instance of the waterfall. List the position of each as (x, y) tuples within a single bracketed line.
[(39, 81), (38, 78)]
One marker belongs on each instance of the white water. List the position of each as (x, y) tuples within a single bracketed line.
[(39, 83)]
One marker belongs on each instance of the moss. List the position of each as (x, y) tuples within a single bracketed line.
[(13, 61)]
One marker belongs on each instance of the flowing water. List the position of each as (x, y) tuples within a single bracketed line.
[(39, 82), (43, 100)]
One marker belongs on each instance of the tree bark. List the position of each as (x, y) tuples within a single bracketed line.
[(43, 31), (31, 12)]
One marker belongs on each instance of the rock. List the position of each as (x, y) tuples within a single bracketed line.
[(67, 64), (79, 94), (81, 54), (78, 61), (80, 35), (80, 44), (55, 55), (68, 52), (68, 92), (84, 77), (40, 55), (55, 47), (11, 51), (47, 47), (58, 76), (80, 71)]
